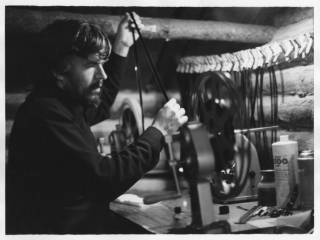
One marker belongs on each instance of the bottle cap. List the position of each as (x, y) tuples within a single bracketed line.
[(223, 210), (177, 210), (284, 138), (308, 153)]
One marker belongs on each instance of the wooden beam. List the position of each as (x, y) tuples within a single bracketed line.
[(293, 30), (293, 15), (293, 112), (25, 21), (209, 30), (32, 22), (293, 22), (295, 96)]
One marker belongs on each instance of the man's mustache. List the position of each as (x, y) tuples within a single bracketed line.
[(96, 85)]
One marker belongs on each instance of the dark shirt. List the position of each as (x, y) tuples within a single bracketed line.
[(56, 180)]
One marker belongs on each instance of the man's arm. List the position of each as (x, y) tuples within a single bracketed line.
[(71, 145), (70, 149), (124, 38)]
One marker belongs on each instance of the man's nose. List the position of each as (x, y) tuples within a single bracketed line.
[(101, 74)]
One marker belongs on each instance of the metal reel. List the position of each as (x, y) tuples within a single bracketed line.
[(229, 182), (129, 129), (130, 119), (216, 103)]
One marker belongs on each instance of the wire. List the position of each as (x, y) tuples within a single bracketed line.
[(138, 77), (155, 72), (275, 101)]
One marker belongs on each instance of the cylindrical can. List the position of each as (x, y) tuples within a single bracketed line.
[(285, 153), (306, 177), (267, 189)]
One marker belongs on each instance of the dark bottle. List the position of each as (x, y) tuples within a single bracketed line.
[(267, 189)]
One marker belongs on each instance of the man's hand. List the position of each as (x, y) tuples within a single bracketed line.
[(124, 37), (170, 117)]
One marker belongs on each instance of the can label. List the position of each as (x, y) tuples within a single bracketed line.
[(284, 178), (306, 188)]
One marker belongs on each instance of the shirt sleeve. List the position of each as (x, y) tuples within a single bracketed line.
[(101, 178), (114, 69)]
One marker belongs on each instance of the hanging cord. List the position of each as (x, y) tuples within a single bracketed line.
[(275, 102), (247, 125), (264, 134), (236, 78), (272, 100), (253, 99), (243, 92), (282, 84), (155, 72), (138, 76), (256, 105), (190, 87), (248, 100), (245, 166)]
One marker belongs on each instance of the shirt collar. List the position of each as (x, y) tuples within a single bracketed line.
[(75, 108)]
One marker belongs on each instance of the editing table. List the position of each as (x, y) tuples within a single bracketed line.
[(160, 218)]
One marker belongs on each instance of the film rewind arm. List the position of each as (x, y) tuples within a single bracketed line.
[(168, 138)]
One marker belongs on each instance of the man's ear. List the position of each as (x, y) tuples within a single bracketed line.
[(60, 79)]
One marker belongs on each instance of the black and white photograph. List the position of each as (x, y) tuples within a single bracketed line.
[(173, 119)]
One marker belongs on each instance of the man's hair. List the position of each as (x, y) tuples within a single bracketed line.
[(65, 38)]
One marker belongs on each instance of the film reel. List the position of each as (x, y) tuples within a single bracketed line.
[(216, 103), (129, 127), (130, 119)]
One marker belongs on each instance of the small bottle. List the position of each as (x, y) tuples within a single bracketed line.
[(285, 153), (267, 189), (177, 213), (306, 178)]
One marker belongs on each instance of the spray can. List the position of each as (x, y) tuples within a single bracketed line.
[(306, 178), (285, 153)]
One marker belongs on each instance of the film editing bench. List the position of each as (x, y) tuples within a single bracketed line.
[(200, 209), (218, 161)]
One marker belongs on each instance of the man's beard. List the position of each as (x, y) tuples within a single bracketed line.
[(92, 99), (85, 96), (88, 96)]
